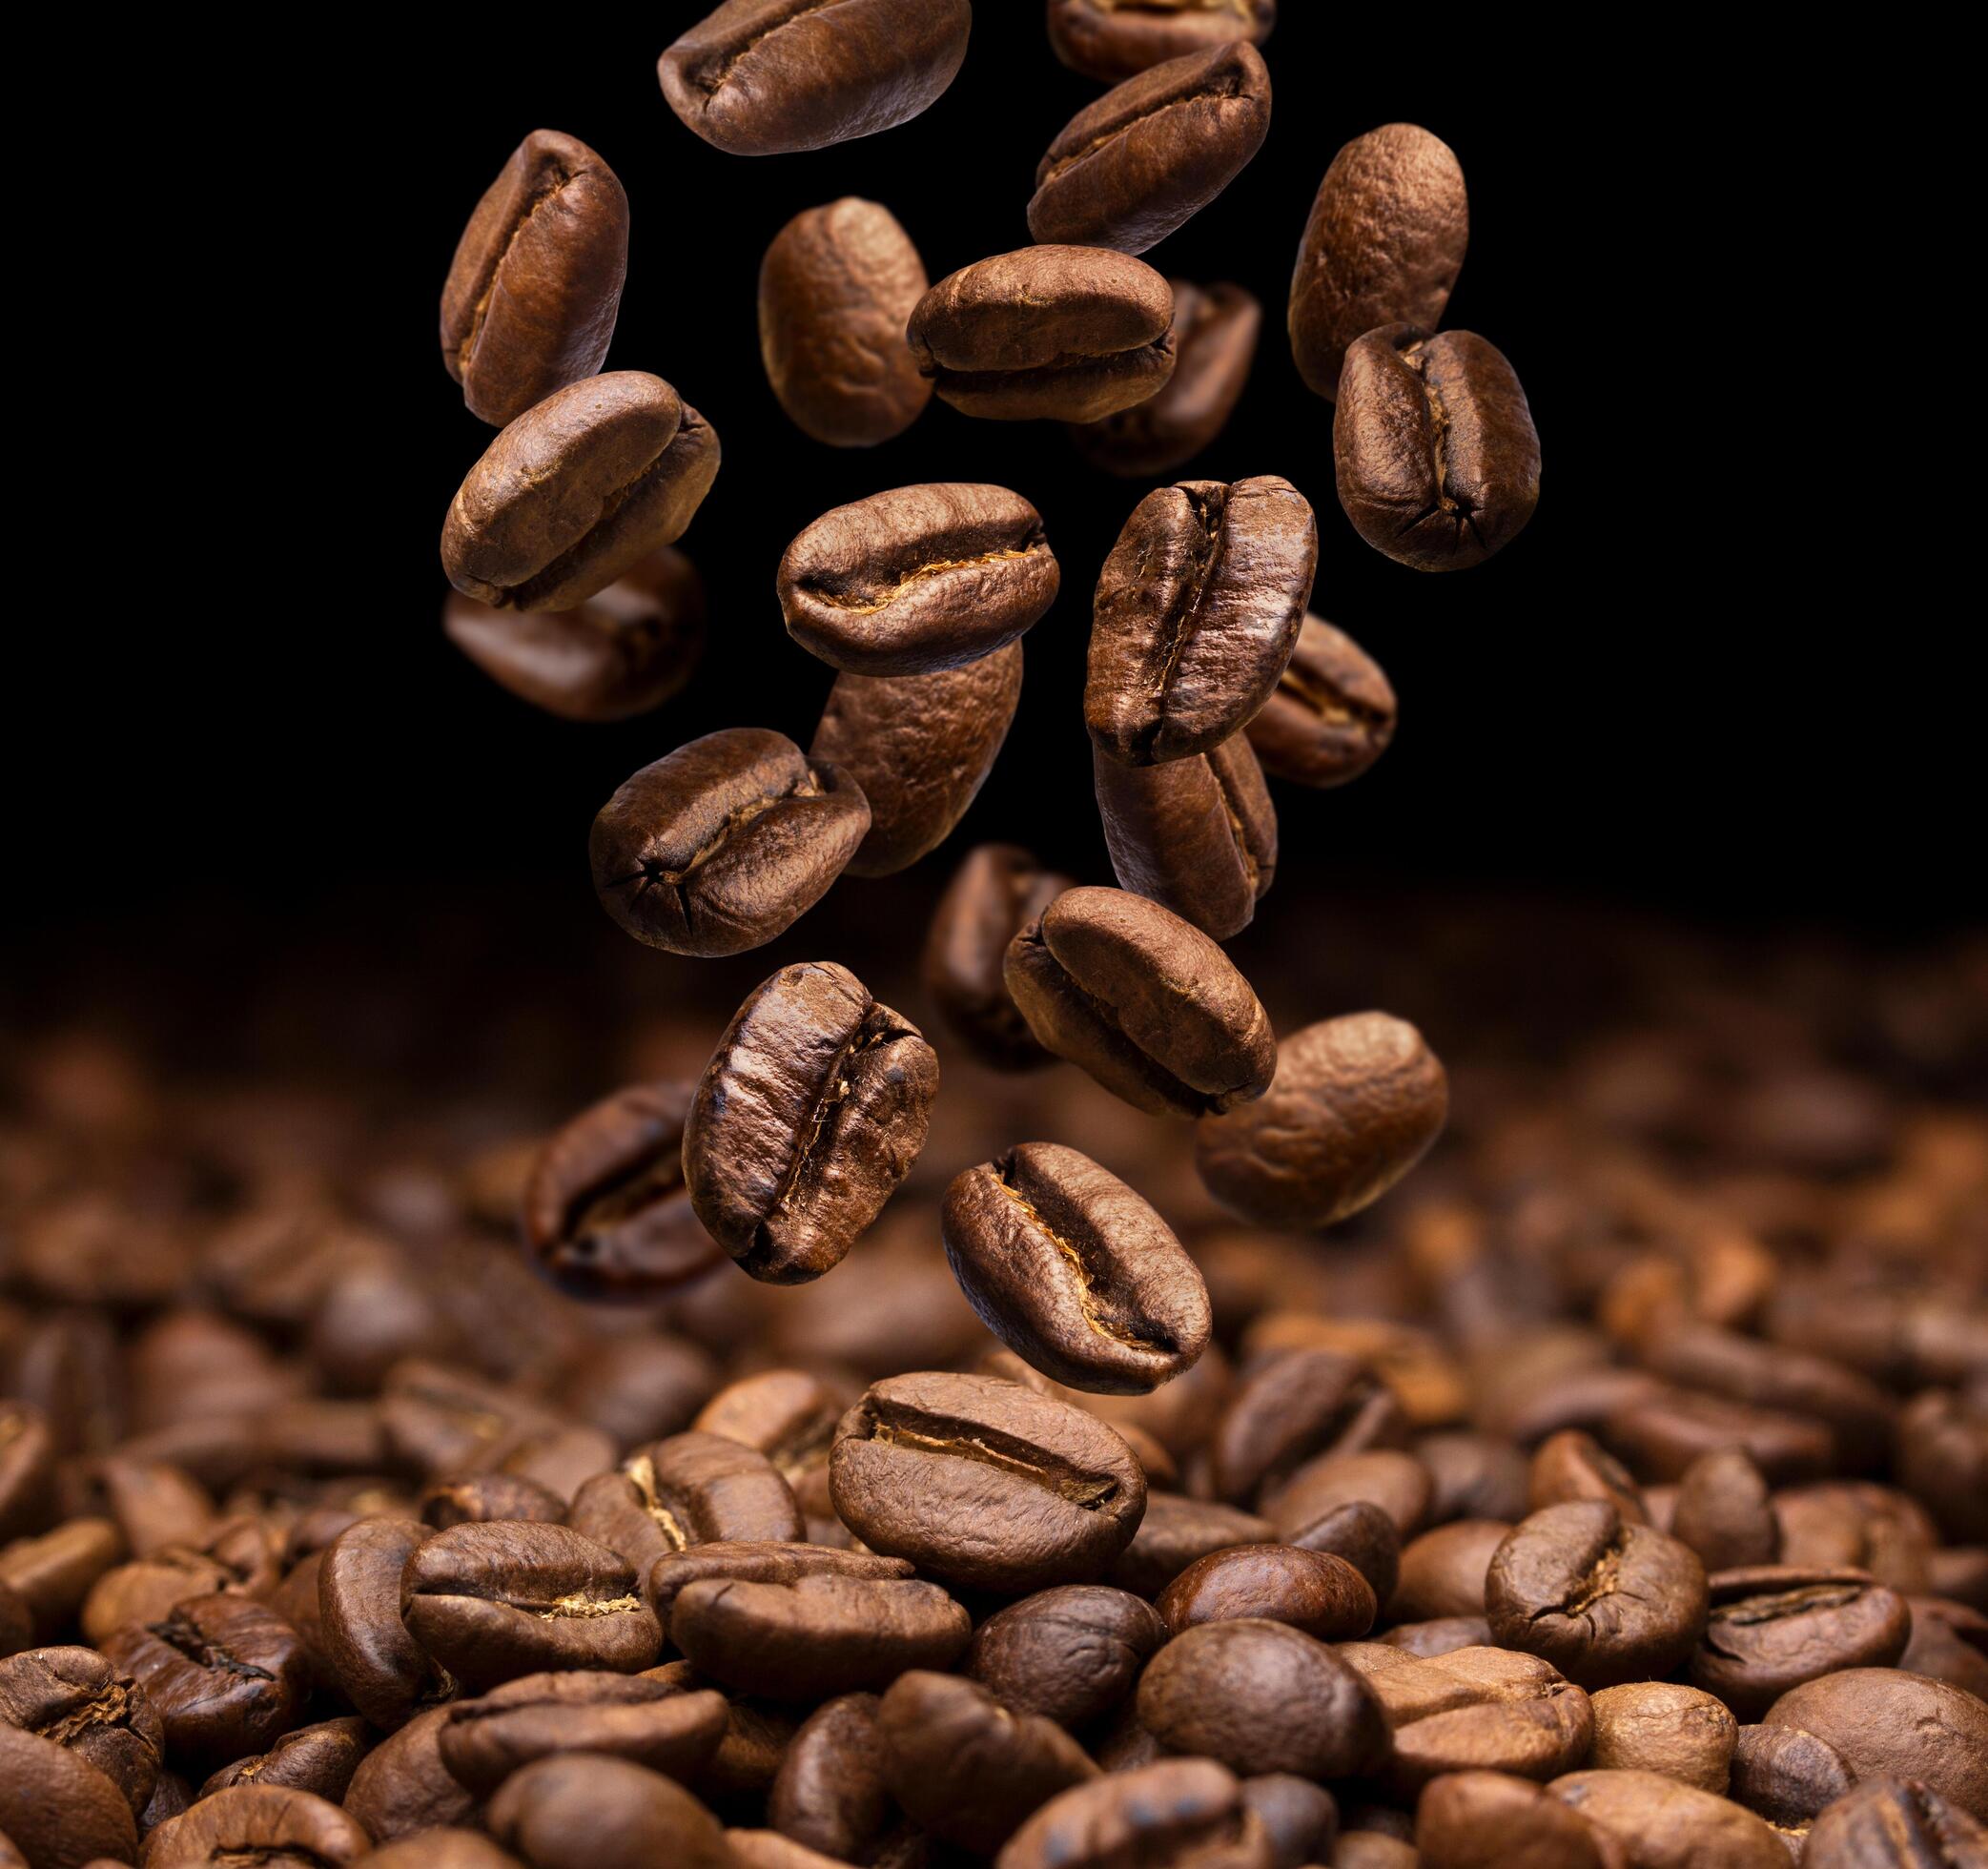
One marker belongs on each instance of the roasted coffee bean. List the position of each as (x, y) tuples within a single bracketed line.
[(1943, 1459), (761, 1562), (1853, 1523), (996, 892), (1071, 1653), (580, 1811), (917, 578), (1434, 447), (1774, 1626), (1073, 1272), (1323, 1595), (690, 1489), (1260, 1696), (1950, 1642), (1659, 1726), (1331, 714), (1149, 154), (271, 1824), (225, 1675), (401, 1786), (1197, 835), (1196, 613), (1396, 1482), (484, 1740), (26, 1470), (1659, 1823), (756, 1736), (531, 300), (1490, 1819), (1355, 1104), (1141, 1000), (153, 1503), (1299, 1818), (764, 77), (480, 1497), (1177, 1531), (985, 1484), (319, 1759), (835, 289), (1438, 1636), (1786, 1776), (1571, 1465), (146, 1590), (1442, 1573), (788, 1415), (577, 492), (57, 1810), (811, 1110), (965, 1768), (638, 1388), (1892, 1822), (1359, 1531), (769, 1849), (376, 1663), (1292, 1407), (920, 747), (1384, 246), (1660, 1434), (626, 649), (725, 843), (1176, 1814), (1215, 344), (77, 1699), (445, 1847), (1067, 333), (1724, 1512), (1603, 1600), (829, 1795), (1114, 39), (491, 1602), (1884, 1721)]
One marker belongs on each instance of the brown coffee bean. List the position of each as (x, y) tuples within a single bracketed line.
[(401, 1786), (1571, 1465), (57, 1810), (1331, 714), (835, 289), (1071, 1653), (1890, 1821), (484, 1740), (478, 1498), (1292, 1407), (375, 1662), (1943, 1459), (830, 1795), (1177, 1531), (1384, 246), (920, 747), (760, 1562), (531, 300), (146, 1590), (1786, 1776), (1438, 1636), (1660, 1434), (1363, 1536), (1176, 1814), (1299, 1818), (638, 1388), (1433, 443), (75, 1696), (580, 1811), (1774, 1626), (1144, 1002), (1215, 331), (1073, 1271), (788, 1415), (1724, 1512), (725, 843), (996, 892), (1260, 1696), (1355, 1104), (984, 1484), (1396, 1482), (26, 1470), (1864, 1527), (1950, 1642), (769, 1849), (1603, 1600), (917, 578), (756, 1736), (1490, 1819), (577, 492), (626, 649), (764, 77), (445, 1847), (270, 1824), (225, 1676), (811, 1110), (1883, 1721), (1443, 1571), (1323, 1595), (1658, 1726), (1659, 1823), (964, 1767), (1149, 154), (690, 1489), (1067, 333), (319, 1759)]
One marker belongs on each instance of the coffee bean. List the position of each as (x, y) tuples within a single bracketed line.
[(1177, 1814), (830, 1793), (1950, 1642), (1485, 1820), (769, 1849), (1384, 246), (1571, 1465), (725, 843), (480, 1497), (1774, 1626), (1291, 1408), (401, 1786), (1260, 1696), (1660, 1434), (917, 578), (1438, 1636), (1071, 1269), (764, 77), (1071, 1653), (638, 1388), (57, 1810), (920, 747), (577, 492), (1602, 1600), (491, 1602), (26, 1470), (581, 1811), (446, 1847), (1724, 1512), (1943, 1459), (811, 1110), (760, 1562), (788, 1415), (1322, 1595), (146, 1590), (1299, 1818), (1355, 1104), (375, 1662), (1884, 1721), (627, 648), (1434, 447), (1331, 714), (1197, 835), (257, 1823), (1113, 39), (1143, 1001), (1659, 1726), (1442, 1573), (319, 1759), (1661, 1825), (1067, 333), (1889, 1821), (76, 1697), (1396, 1482), (531, 300), (835, 289), (996, 892), (690, 1489), (484, 1740), (1175, 1532), (1853, 1523), (1786, 1776), (984, 1484), (1149, 154), (1363, 1536)]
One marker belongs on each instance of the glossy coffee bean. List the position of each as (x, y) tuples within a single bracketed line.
[(920, 747), (749, 1561), (1891, 1823), (1786, 1776), (1197, 835), (829, 1795), (1331, 714), (491, 1602), (1950, 1642), (1478, 1819), (577, 492), (626, 649), (1113, 39), (75, 1696), (1143, 1001), (1659, 1823), (965, 1768), (687, 1490), (1387, 1477), (531, 300), (811, 1110), (835, 288), (225, 1675), (1433, 444), (1323, 1595), (763, 77), (1660, 1726), (477, 1498), (1384, 246), (1291, 1408), (271, 1824), (1724, 1512), (1602, 1600), (723, 844), (483, 1741), (1149, 154), (1359, 1531), (917, 578), (1177, 1531), (1355, 1103), (788, 1415), (1884, 1721), (1071, 1653), (580, 1811), (1073, 1271), (57, 1810), (1067, 333), (379, 1667), (1442, 1573), (319, 1759), (985, 1484), (994, 893), (1170, 1815), (1774, 1626), (756, 1736), (401, 1786), (1572, 1465)]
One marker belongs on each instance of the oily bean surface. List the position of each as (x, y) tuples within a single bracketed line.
[(319, 1758), (1331, 714), (57, 1810), (376, 1663), (1177, 1531), (484, 1740), (1167, 1814), (1484, 1819), (1323, 1595), (996, 892), (1663, 1726), (829, 1795), (761, 1561), (1884, 1721), (1070, 1653), (1112, 40), (1291, 1406)]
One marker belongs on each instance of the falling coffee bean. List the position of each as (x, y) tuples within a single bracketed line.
[(1331, 714), (997, 890), (1113, 39)]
